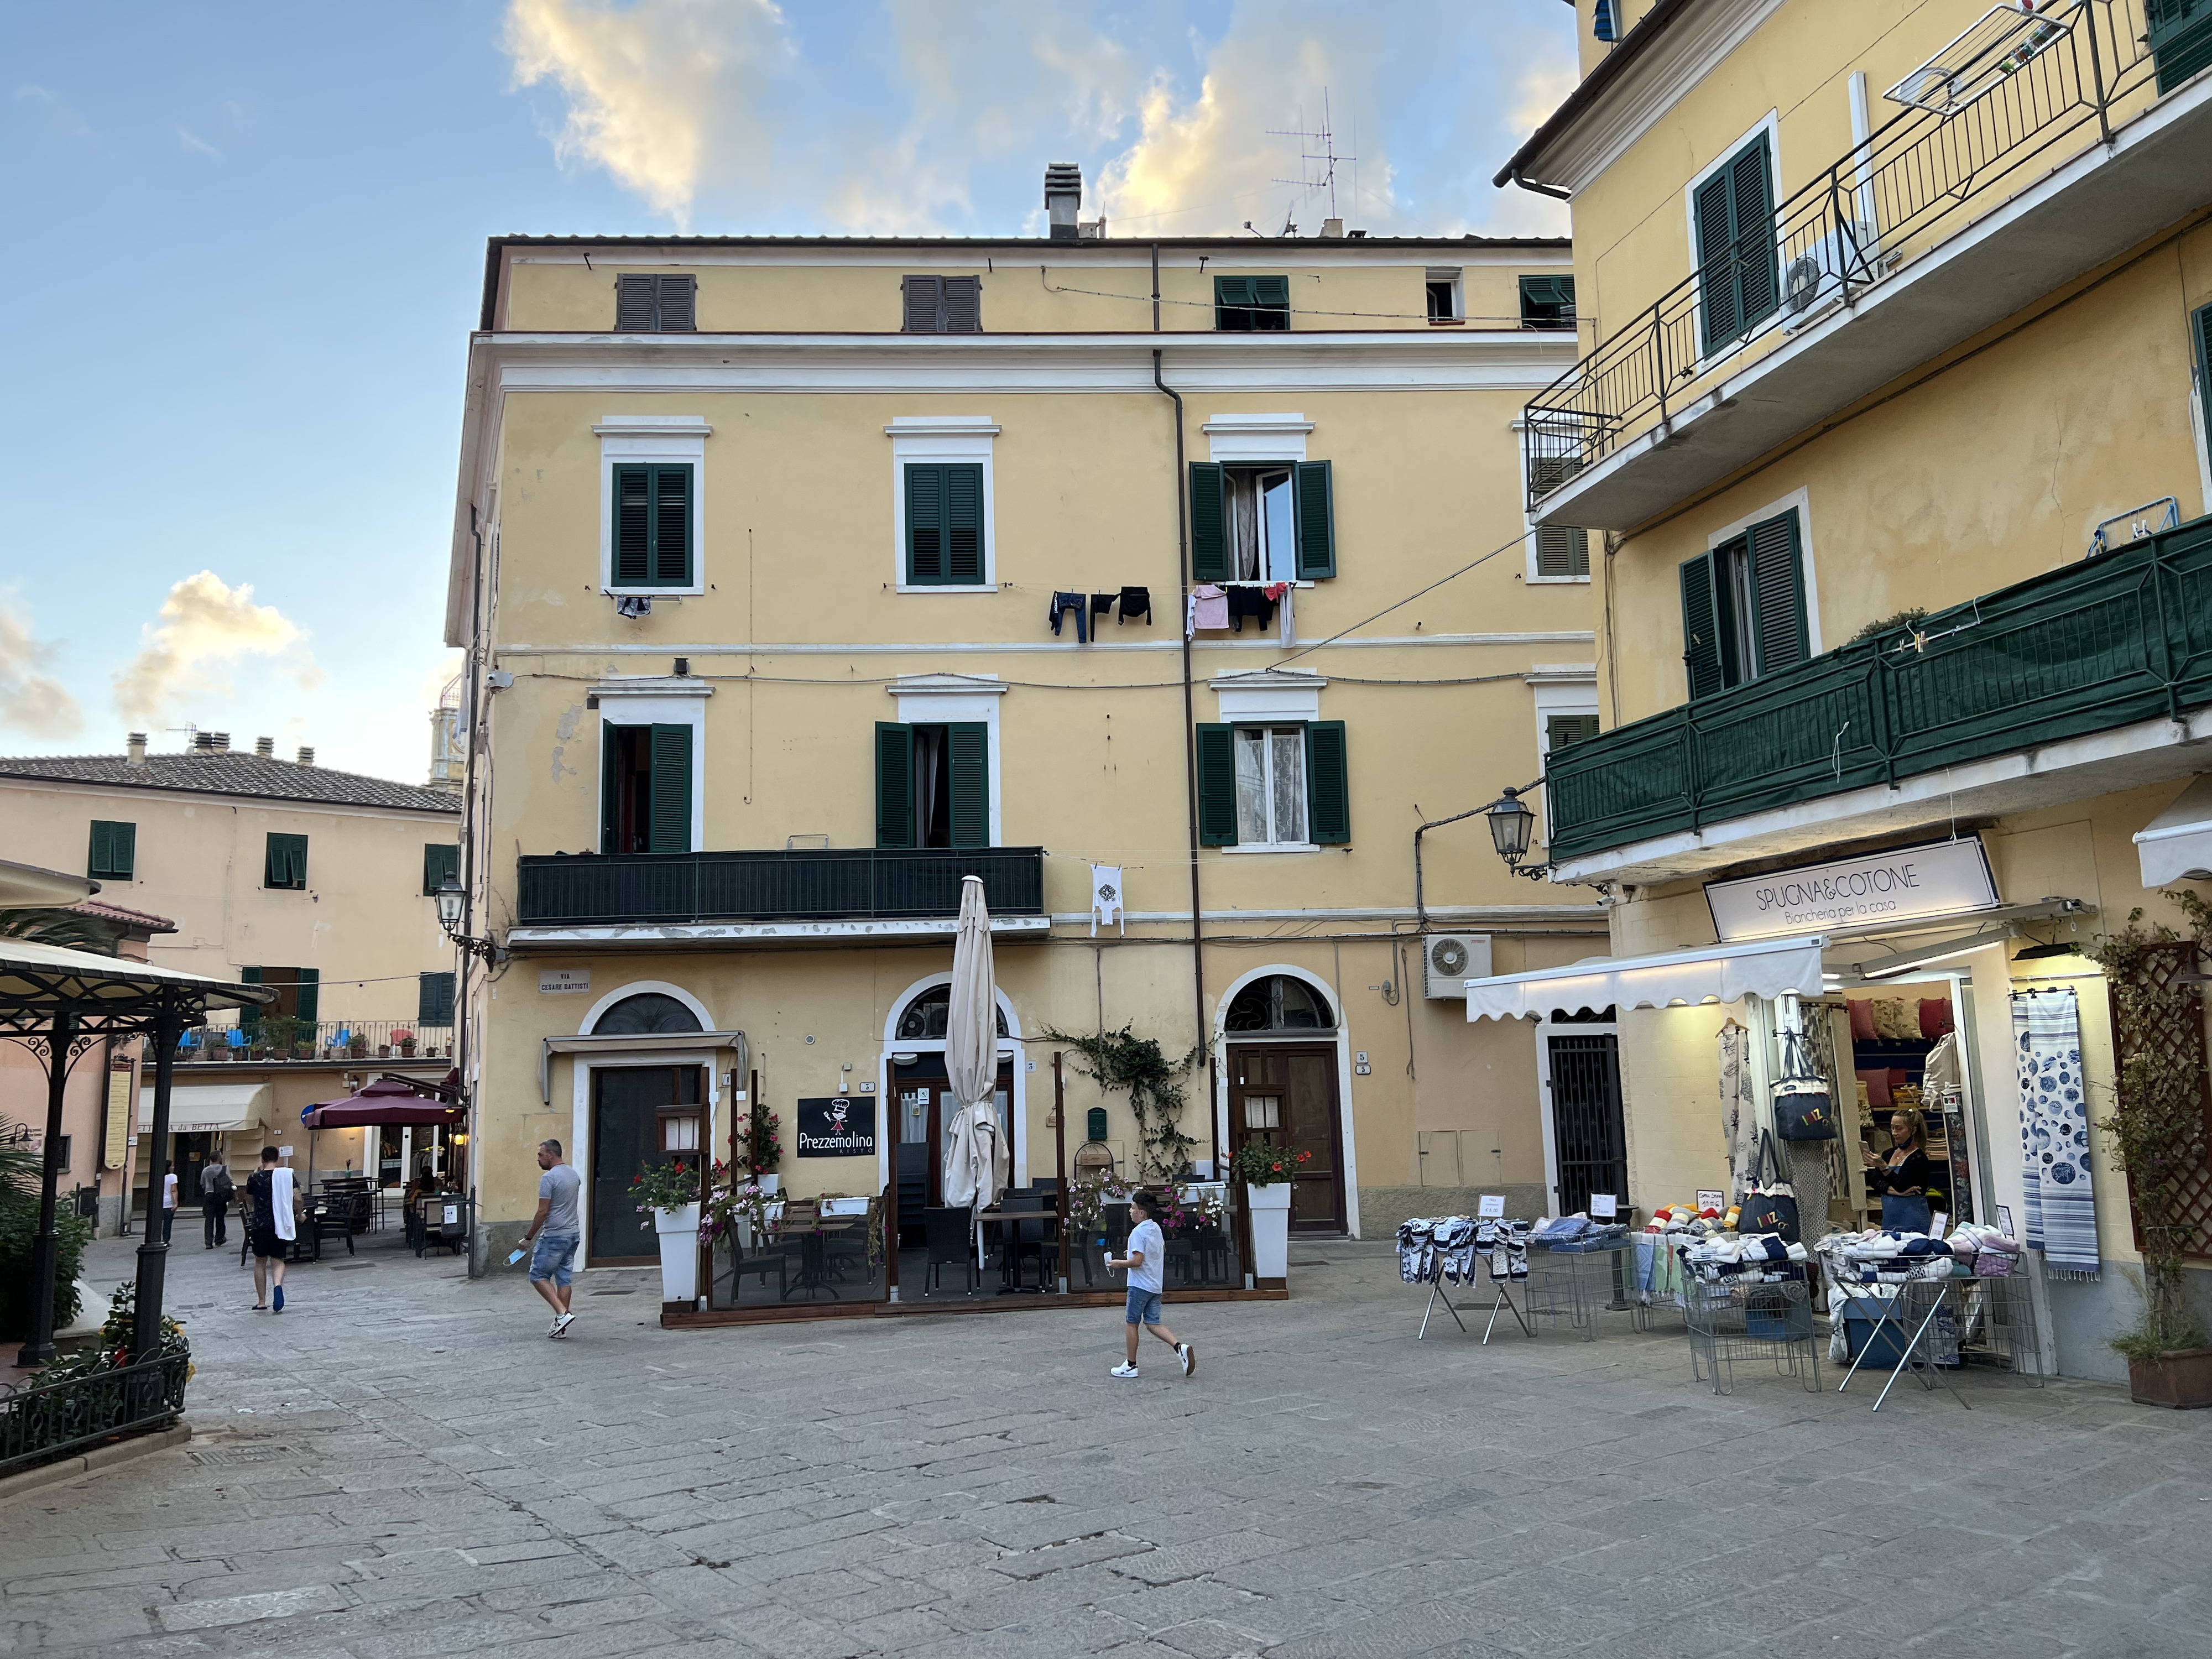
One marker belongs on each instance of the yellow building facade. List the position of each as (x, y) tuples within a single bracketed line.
[(801, 577), (1890, 437)]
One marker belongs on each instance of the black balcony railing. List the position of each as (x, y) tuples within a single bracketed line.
[(2122, 637), (588, 889), (2040, 84)]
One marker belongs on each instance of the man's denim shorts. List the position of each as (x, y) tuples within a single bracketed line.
[(551, 1258), (1143, 1307)]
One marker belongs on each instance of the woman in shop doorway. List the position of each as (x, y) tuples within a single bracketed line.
[(1903, 1178)]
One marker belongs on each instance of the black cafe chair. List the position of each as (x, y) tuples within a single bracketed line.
[(948, 1237)]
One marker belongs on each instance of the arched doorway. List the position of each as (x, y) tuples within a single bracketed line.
[(918, 1090), (644, 1110), (1282, 1048)]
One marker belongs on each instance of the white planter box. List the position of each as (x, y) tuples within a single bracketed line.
[(679, 1252), (1271, 1230)]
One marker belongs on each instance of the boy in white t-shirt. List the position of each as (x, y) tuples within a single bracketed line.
[(1147, 1256)]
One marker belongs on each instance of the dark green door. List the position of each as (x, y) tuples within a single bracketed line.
[(625, 1137)]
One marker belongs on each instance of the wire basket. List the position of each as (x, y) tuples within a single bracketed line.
[(1765, 1324)]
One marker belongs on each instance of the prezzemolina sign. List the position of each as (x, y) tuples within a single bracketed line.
[(837, 1127), (1904, 884)]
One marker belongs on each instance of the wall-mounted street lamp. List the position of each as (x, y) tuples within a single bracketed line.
[(453, 907), (1511, 824)]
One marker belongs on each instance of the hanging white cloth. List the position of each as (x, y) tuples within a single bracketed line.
[(1739, 1109), (977, 1164), (280, 1202), (1106, 897)]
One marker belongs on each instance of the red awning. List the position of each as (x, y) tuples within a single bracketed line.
[(386, 1102)]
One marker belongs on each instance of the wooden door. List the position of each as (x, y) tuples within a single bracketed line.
[(1285, 1095), (628, 1103)]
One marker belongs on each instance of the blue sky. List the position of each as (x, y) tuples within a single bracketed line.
[(249, 246)]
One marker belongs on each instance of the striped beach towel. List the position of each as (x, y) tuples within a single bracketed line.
[(2054, 1132)]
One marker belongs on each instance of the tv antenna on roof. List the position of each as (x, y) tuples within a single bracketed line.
[(1317, 156)]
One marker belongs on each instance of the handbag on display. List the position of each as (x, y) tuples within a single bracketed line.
[(1804, 1109), (1770, 1205)]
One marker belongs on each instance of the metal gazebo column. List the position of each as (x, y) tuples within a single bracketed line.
[(153, 1248), (60, 1041)]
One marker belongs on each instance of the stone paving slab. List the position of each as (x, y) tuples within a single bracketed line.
[(402, 1467)]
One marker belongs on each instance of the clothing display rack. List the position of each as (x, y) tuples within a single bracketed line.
[(1440, 1249), (1936, 1327), (1732, 1321)]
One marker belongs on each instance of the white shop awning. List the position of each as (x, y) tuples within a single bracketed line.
[(1714, 973), (209, 1108), (2176, 844)]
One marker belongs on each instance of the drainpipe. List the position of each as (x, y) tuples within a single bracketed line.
[(473, 667), (1189, 741)]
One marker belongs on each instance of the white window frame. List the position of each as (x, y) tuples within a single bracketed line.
[(1801, 500), (1457, 278), (928, 439), (656, 700), (1530, 569), (1559, 688), (1770, 124), (943, 699), (667, 440), (1267, 759), (1244, 438)]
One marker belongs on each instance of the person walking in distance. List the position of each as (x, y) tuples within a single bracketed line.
[(269, 1228), (169, 1205), (217, 1190), (557, 1232), (1147, 1256)]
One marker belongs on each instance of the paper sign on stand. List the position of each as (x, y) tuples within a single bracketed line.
[(2004, 1220), (1604, 1205), (1491, 1206), (1709, 1200)]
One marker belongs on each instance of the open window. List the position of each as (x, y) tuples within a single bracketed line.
[(645, 788), (1279, 784), (1249, 304), (1268, 522), (1743, 606), (1547, 302), (932, 784), (1445, 301)]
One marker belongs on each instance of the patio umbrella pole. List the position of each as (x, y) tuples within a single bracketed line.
[(153, 1250), (1059, 1160), (40, 1350)]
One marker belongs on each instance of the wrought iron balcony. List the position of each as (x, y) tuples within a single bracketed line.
[(2122, 637), (806, 885), (2015, 101)]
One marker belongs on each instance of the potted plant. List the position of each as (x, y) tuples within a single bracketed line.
[(405, 1039), (1266, 1172), (762, 1147), (2158, 1140), (670, 1193), (737, 1210), (356, 1047)]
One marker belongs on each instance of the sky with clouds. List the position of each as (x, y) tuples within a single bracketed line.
[(250, 242)]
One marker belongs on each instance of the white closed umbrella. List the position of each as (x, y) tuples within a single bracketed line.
[(977, 1163)]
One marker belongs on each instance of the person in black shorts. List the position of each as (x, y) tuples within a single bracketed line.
[(268, 1226)]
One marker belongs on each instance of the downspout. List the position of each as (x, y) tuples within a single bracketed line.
[(1190, 742), (1541, 190), (468, 874)]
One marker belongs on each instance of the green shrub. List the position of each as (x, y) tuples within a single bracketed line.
[(19, 1231)]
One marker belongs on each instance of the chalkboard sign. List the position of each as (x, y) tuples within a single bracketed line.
[(838, 1127)]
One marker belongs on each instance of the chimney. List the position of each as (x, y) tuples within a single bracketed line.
[(202, 742), (307, 756), (1063, 196), (219, 740), (135, 748), (266, 746)]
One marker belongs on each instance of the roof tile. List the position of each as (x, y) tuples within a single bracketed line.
[(228, 772)]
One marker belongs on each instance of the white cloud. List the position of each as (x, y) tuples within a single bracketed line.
[(192, 141), (31, 700), (205, 625), (58, 110)]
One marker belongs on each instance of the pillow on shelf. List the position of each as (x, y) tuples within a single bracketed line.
[(1861, 1020), (1875, 1081), (1934, 1017)]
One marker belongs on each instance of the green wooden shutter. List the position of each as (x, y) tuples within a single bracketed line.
[(438, 861), (285, 864), (633, 528), (1561, 730), (894, 784), (1313, 504), (434, 999), (2181, 37), (2201, 328), (1216, 785), (1209, 524), (670, 788), (308, 1003), (1778, 578), (1328, 784), (249, 1017), (635, 311), (114, 851), (1711, 209), (609, 797), (922, 306), (925, 524), (1271, 302), (672, 525), (1232, 303), (1546, 301), (964, 522), (1701, 623), (1562, 551), (968, 748), (1751, 193)]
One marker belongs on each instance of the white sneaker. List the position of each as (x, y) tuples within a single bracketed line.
[(1187, 1357), (560, 1325), (1122, 1370), (554, 1329)]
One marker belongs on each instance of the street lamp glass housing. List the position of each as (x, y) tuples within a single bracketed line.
[(450, 900), (1511, 822)]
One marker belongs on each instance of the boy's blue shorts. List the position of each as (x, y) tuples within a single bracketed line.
[(1143, 1307)]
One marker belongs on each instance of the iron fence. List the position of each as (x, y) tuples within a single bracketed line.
[(2122, 637), (802, 884), (46, 1420), (2016, 98)]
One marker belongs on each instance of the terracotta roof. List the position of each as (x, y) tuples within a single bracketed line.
[(231, 772), (139, 921)]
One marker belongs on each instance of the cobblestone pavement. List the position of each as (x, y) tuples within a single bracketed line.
[(401, 1467)]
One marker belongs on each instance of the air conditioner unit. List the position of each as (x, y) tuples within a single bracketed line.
[(1450, 960), (1821, 273)]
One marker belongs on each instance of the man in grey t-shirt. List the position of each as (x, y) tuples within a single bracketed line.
[(557, 1232)]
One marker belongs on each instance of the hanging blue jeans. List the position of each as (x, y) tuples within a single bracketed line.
[(1079, 604)]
